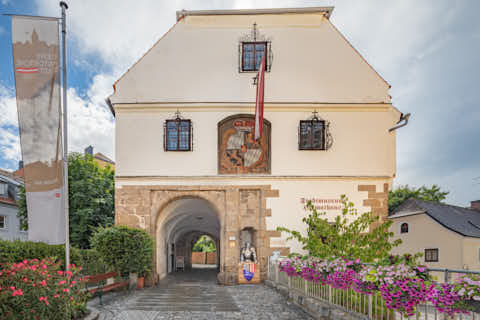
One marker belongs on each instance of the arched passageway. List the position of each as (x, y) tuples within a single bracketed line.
[(180, 225)]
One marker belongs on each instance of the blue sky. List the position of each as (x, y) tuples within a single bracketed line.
[(429, 51)]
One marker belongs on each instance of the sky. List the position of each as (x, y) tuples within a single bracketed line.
[(428, 51)]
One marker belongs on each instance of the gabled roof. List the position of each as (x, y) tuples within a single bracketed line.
[(102, 157), (461, 220), (10, 178)]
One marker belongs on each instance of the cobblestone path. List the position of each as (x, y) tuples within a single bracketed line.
[(195, 295)]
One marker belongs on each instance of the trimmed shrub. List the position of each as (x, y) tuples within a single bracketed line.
[(16, 251), (34, 289), (125, 249)]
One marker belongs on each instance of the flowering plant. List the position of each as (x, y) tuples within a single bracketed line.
[(401, 282), (34, 289)]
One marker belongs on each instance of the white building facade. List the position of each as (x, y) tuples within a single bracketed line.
[(187, 163)]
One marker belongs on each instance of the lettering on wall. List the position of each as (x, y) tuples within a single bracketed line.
[(322, 204)]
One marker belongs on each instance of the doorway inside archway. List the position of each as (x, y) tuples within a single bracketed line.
[(204, 253), (184, 223)]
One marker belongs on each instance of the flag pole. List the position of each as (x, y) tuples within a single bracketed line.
[(64, 7)]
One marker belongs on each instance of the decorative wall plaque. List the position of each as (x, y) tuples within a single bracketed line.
[(238, 152)]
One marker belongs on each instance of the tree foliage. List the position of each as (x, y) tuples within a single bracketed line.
[(204, 244), (403, 193), (91, 198), (351, 235)]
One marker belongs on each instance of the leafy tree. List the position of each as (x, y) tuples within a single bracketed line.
[(352, 235), (91, 198), (403, 193), (204, 244)]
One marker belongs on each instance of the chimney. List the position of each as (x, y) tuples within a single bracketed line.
[(475, 205), (89, 150), (20, 164)]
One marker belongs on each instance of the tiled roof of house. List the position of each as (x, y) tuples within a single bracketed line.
[(8, 200), (102, 157), (458, 219)]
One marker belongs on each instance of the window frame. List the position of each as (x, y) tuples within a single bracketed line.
[(4, 186), (401, 228), (311, 122), (166, 135), (432, 250), (254, 43), (5, 225)]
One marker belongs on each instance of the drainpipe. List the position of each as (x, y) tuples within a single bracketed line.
[(403, 117), (109, 104)]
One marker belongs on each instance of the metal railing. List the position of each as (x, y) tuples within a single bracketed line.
[(366, 306)]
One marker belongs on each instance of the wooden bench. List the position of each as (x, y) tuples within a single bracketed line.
[(100, 288)]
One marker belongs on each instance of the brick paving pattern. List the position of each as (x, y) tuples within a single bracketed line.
[(194, 295)]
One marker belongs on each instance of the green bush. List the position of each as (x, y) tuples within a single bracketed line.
[(125, 249), (16, 251)]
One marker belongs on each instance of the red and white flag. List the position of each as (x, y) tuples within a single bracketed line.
[(259, 101)]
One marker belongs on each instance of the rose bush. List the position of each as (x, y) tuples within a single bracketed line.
[(38, 289), (401, 282)]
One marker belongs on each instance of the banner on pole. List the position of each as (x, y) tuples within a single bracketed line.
[(35, 42)]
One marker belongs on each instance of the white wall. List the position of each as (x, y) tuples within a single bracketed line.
[(362, 144), (197, 61)]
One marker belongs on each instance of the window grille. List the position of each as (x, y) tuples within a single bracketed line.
[(314, 134), (178, 135), (431, 255), (404, 228)]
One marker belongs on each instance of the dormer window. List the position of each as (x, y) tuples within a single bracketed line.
[(3, 189), (178, 134), (314, 134)]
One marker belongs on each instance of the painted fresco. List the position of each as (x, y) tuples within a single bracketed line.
[(238, 152)]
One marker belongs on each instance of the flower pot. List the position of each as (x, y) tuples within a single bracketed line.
[(474, 305), (140, 282)]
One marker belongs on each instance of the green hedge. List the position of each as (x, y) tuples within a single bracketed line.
[(125, 249), (16, 251)]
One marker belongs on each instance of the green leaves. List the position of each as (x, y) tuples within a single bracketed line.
[(124, 249), (351, 235), (403, 193), (204, 244)]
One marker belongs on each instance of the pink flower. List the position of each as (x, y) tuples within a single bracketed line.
[(43, 283), (65, 290), (62, 282)]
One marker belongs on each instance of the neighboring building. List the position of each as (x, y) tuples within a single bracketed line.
[(448, 236), (9, 222), (187, 163), (101, 159)]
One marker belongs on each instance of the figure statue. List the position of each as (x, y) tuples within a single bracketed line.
[(248, 254)]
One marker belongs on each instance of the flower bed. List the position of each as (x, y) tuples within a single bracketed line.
[(402, 284), (38, 289)]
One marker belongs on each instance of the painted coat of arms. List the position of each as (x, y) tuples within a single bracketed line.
[(239, 152)]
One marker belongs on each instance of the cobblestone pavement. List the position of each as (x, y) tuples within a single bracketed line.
[(194, 295)]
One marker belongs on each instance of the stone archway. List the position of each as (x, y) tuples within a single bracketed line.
[(177, 223), (159, 209)]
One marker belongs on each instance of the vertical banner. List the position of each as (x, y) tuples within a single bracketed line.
[(35, 42)]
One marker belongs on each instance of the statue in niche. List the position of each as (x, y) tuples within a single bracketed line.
[(248, 253)]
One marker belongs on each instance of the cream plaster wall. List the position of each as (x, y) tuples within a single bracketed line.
[(197, 61), (362, 144), (287, 210), (426, 233), (471, 253)]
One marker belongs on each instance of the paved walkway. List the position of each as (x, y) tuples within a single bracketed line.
[(195, 295)]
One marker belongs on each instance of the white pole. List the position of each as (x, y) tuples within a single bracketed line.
[(64, 6)]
